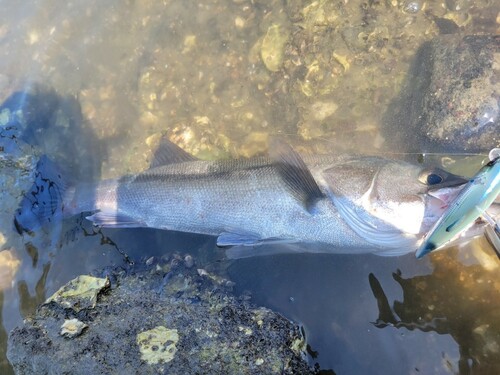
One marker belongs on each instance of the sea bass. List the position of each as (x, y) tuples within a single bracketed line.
[(348, 204)]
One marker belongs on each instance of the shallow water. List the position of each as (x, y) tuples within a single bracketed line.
[(219, 77)]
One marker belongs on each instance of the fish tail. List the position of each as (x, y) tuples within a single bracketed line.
[(44, 203)]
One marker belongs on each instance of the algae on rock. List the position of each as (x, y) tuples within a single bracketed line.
[(158, 344), (79, 293), (198, 327)]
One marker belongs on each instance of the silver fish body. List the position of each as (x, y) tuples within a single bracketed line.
[(366, 204)]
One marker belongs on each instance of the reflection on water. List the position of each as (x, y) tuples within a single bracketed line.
[(447, 321), (330, 295), (27, 302), (4, 364), (99, 82), (456, 299)]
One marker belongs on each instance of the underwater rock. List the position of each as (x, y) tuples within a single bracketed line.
[(451, 99), (157, 318), (273, 47)]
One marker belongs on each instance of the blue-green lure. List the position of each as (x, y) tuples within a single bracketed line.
[(471, 203)]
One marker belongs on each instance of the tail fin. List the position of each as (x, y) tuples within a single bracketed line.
[(43, 204)]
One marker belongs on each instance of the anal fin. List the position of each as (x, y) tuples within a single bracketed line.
[(241, 238), (114, 220), (237, 239)]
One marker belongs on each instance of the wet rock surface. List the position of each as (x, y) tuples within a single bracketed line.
[(451, 99), (163, 318)]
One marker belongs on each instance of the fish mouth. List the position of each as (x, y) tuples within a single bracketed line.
[(436, 203), (440, 195)]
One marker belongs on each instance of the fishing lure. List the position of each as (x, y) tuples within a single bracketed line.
[(471, 203)]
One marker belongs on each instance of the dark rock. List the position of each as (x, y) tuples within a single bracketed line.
[(451, 99), (147, 326)]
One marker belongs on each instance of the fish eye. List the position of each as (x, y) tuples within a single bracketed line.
[(431, 177), (434, 179)]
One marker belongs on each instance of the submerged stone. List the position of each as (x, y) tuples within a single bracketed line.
[(451, 98), (273, 47)]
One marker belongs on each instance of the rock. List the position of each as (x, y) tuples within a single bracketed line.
[(188, 261), (273, 47), (80, 293), (451, 99), (72, 328), (183, 322), (158, 344)]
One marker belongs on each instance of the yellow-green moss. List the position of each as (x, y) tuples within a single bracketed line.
[(158, 344)]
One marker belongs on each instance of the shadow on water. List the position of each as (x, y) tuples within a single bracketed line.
[(459, 300), (60, 250), (52, 124), (5, 367), (447, 322)]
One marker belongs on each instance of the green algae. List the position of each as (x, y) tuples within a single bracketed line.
[(80, 293)]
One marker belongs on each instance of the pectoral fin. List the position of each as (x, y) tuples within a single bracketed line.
[(295, 173), (114, 220)]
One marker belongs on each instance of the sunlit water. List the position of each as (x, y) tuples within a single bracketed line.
[(117, 74)]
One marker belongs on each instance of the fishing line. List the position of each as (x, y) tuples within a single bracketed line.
[(424, 154)]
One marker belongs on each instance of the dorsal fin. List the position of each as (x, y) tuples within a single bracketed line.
[(295, 173), (169, 153)]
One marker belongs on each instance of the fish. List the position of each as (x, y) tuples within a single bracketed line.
[(345, 203), (472, 202)]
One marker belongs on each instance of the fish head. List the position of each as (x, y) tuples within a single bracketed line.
[(389, 196)]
